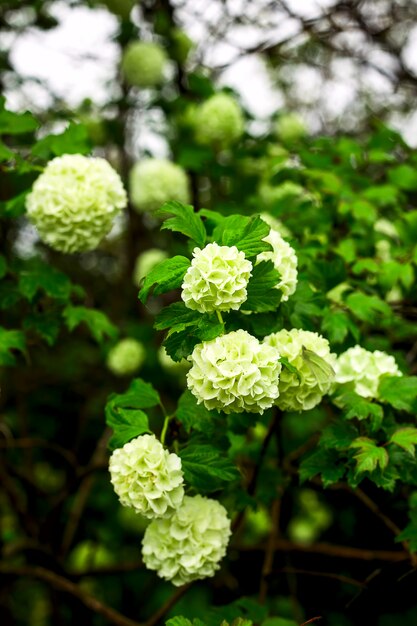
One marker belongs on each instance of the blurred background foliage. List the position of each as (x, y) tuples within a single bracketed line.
[(344, 185)]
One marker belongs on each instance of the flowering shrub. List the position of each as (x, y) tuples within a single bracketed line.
[(74, 201), (219, 121), (155, 181), (189, 545), (365, 370)]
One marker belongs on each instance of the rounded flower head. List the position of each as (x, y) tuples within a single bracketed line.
[(364, 370), (216, 279), (126, 357), (146, 262), (147, 477), (285, 261), (74, 201), (276, 224), (189, 545), (155, 181), (143, 64), (305, 391), (219, 121), (290, 127), (235, 373)]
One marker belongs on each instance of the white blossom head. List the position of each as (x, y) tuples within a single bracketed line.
[(315, 375), (219, 121), (74, 201), (235, 373), (126, 357), (216, 279), (147, 477), (364, 370), (155, 181), (146, 262), (285, 262), (276, 224), (190, 544), (143, 64)]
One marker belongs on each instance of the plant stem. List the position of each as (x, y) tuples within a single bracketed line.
[(219, 317), (165, 428)]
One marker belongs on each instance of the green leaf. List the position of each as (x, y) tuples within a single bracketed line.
[(179, 620), (322, 462), (185, 221), (5, 153), (206, 468), (11, 340), (97, 322), (139, 395), (166, 275), (336, 325), (404, 176), (245, 233), (195, 416), (176, 316), (180, 345), (42, 276), (361, 409), (74, 140), (368, 308), (16, 123), (410, 532), (126, 424), (15, 207), (369, 455), (46, 324), (400, 392), (338, 436), (262, 294), (405, 438)]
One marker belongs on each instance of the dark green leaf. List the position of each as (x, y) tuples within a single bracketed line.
[(405, 438), (195, 416), (262, 294), (185, 221), (399, 391), (97, 322), (41, 276), (166, 275), (245, 233), (325, 463), (10, 341), (206, 468)]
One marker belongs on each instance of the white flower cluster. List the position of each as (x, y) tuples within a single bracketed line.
[(155, 181), (74, 201), (364, 370), (126, 357), (143, 64), (147, 477), (219, 121), (315, 375), (285, 261), (235, 373), (217, 279), (190, 544)]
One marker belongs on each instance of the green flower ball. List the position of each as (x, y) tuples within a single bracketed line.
[(146, 262), (219, 121), (156, 181), (290, 127), (74, 201), (143, 64), (126, 357)]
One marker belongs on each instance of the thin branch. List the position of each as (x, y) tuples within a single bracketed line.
[(167, 606), (332, 575), (63, 584), (270, 550)]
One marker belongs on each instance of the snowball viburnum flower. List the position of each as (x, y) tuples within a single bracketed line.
[(364, 369), (147, 477), (146, 261), (219, 121), (155, 181), (126, 357), (143, 64), (217, 279), (190, 544), (285, 261), (305, 391), (235, 373), (74, 201)]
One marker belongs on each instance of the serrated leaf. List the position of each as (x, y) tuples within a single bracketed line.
[(165, 276), (262, 294), (179, 620), (139, 395), (369, 455), (405, 438), (176, 315), (127, 424), (97, 322), (195, 416), (185, 221), (368, 308), (245, 233), (399, 391), (180, 345), (10, 341), (338, 436), (322, 462), (44, 277), (336, 325), (46, 324), (73, 140), (206, 468)]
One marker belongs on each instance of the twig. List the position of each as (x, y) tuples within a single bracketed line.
[(332, 575), (63, 584), (270, 550), (167, 606)]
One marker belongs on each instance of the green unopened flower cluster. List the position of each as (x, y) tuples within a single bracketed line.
[(285, 261), (155, 181), (235, 373), (126, 357), (217, 279), (143, 64), (74, 201), (315, 371), (190, 544), (147, 477), (219, 121), (364, 370)]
